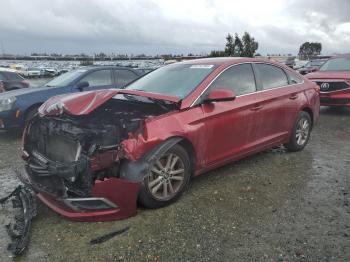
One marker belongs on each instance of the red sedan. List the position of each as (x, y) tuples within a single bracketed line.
[(90, 156), (334, 80)]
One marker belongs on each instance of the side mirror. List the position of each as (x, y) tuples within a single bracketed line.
[(220, 95), (82, 85)]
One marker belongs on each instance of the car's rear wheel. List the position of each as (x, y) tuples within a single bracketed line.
[(167, 178), (301, 133)]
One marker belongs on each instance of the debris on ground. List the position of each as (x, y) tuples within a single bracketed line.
[(25, 209), (104, 238)]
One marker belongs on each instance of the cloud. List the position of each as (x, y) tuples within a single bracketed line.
[(181, 26)]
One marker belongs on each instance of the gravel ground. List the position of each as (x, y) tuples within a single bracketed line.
[(274, 206)]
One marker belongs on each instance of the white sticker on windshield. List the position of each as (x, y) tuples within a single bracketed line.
[(202, 66)]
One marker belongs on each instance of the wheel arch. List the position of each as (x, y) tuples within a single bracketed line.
[(137, 170), (30, 108), (310, 112), (188, 146)]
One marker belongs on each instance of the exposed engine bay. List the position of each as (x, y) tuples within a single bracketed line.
[(59, 150)]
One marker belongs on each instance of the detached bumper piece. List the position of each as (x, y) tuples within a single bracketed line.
[(24, 203), (111, 199)]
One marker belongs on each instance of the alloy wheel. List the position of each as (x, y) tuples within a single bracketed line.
[(166, 177), (302, 132)]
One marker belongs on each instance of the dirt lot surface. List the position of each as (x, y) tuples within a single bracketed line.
[(274, 206)]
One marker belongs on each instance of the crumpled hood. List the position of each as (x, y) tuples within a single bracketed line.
[(84, 103), (329, 75)]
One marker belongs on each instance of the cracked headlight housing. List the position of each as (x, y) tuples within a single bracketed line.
[(7, 103)]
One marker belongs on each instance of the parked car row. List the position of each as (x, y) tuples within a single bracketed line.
[(311, 66)]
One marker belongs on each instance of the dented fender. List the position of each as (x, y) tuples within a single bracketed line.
[(138, 170)]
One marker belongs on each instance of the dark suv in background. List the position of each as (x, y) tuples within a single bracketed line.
[(11, 81), (17, 106)]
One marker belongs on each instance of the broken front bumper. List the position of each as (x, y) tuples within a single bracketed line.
[(111, 199)]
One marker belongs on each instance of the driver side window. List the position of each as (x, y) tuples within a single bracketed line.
[(98, 78), (239, 78)]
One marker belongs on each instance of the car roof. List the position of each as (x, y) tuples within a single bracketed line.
[(225, 61), (93, 68), (340, 56)]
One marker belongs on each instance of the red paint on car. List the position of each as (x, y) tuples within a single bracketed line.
[(218, 131), (334, 84)]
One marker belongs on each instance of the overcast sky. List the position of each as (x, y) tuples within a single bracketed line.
[(170, 26)]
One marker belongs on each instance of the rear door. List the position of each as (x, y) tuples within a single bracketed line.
[(99, 79), (231, 125), (280, 102)]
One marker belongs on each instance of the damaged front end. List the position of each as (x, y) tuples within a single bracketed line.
[(74, 161)]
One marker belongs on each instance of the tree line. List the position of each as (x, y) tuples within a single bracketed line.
[(246, 46), (236, 46)]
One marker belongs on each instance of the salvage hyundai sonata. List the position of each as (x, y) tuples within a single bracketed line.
[(92, 156)]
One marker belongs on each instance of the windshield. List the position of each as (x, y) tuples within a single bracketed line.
[(337, 64), (65, 79), (173, 80)]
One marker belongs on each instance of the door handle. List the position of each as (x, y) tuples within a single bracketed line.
[(293, 97), (256, 108)]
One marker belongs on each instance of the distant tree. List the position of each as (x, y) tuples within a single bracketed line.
[(238, 46), (167, 56), (249, 45), (230, 45), (309, 49), (235, 46), (217, 53)]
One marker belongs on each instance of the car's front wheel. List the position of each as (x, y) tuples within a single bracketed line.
[(167, 178), (300, 133)]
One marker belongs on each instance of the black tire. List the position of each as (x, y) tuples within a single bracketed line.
[(294, 143), (150, 200)]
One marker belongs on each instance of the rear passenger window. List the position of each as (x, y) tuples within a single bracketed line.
[(271, 76), (294, 78), (239, 78), (124, 77), (98, 78)]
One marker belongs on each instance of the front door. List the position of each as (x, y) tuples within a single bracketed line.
[(231, 124)]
